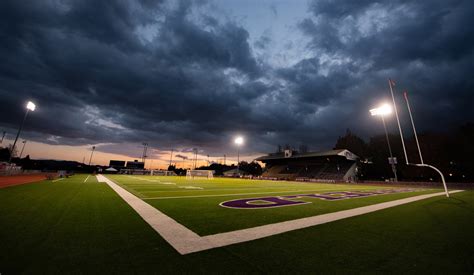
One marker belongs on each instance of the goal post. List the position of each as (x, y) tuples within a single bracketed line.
[(207, 174)]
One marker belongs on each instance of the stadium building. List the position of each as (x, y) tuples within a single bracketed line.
[(117, 164), (135, 165), (326, 166)]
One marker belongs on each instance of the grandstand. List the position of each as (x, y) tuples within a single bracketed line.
[(326, 166)]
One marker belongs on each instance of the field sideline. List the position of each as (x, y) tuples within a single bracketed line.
[(79, 225)]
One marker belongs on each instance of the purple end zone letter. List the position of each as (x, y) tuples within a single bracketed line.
[(268, 202)]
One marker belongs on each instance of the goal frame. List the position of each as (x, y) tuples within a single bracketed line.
[(201, 174)]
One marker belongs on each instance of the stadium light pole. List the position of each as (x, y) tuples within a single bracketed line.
[(238, 141), (382, 111), (30, 106), (145, 148), (22, 148), (92, 153), (171, 156)]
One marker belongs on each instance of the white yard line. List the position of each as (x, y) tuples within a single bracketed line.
[(58, 179), (253, 193), (87, 178), (220, 195), (186, 241)]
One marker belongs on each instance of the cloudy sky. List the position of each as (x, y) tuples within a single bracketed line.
[(194, 74)]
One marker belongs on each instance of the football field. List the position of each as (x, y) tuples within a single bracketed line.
[(230, 225)]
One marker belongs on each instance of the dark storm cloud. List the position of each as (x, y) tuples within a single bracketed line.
[(173, 75)]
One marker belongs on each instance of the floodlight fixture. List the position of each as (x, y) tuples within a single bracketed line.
[(30, 106), (384, 109), (239, 140)]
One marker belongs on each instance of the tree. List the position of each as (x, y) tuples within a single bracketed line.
[(352, 143), (252, 168)]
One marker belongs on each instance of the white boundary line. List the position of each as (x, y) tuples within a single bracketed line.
[(86, 178), (58, 179), (186, 241)]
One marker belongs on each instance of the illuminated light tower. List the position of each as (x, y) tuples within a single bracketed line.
[(144, 156), (22, 148), (382, 111), (92, 153), (239, 141), (30, 106)]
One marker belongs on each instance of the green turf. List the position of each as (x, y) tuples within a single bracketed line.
[(205, 216), (75, 227)]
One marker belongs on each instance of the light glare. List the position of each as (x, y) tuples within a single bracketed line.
[(30, 106), (383, 110), (239, 140)]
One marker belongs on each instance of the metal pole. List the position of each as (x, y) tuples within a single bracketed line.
[(238, 159), (22, 148), (439, 172), (144, 153), (17, 135), (224, 160), (398, 121), (414, 129), (195, 157), (90, 159), (3, 136), (421, 158), (171, 156), (394, 168)]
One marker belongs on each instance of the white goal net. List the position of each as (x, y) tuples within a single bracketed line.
[(162, 173), (191, 174)]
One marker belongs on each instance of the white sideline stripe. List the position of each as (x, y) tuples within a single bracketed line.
[(86, 178), (178, 236), (186, 241), (58, 179)]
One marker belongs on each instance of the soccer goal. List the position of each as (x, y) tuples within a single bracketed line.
[(162, 173), (191, 174)]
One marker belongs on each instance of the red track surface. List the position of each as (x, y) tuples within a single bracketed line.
[(20, 179)]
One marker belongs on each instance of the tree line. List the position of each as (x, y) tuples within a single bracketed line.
[(451, 152)]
